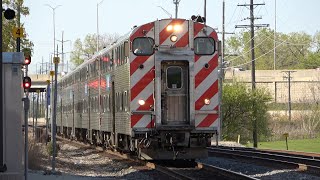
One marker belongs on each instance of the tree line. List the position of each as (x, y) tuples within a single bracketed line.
[(8, 41), (296, 50)]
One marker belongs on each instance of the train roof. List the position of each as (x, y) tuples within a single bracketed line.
[(97, 54), (112, 46)]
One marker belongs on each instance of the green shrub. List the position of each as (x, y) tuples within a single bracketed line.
[(50, 149)]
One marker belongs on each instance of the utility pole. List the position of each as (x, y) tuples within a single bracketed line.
[(205, 11), (274, 36), (221, 72), (253, 67), (98, 24), (176, 2), (288, 73), (18, 17), (62, 52)]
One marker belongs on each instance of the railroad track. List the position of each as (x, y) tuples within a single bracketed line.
[(307, 155), (303, 163), (200, 171)]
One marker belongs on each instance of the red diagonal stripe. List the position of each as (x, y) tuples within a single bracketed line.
[(164, 34), (183, 41), (196, 58), (134, 65), (197, 28), (203, 73), (146, 106), (143, 83), (135, 119), (214, 35), (210, 92), (209, 120), (151, 124), (142, 31)]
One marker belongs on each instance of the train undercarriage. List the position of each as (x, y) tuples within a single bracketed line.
[(161, 144)]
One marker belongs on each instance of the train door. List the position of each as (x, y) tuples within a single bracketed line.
[(113, 109), (175, 92)]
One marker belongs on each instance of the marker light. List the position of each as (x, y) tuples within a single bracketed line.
[(169, 28), (206, 101), (173, 38), (177, 27), (141, 102)]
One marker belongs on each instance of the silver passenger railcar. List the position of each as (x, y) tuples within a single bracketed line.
[(154, 92)]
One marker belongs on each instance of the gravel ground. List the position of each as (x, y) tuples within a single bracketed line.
[(86, 163), (256, 171)]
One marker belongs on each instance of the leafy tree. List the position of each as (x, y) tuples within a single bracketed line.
[(292, 49), (9, 43), (76, 56), (84, 50), (240, 105)]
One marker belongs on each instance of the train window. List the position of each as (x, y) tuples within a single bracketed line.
[(143, 46), (125, 101), (121, 101), (97, 104), (102, 103), (107, 103), (204, 46), (93, 104), (126, 49), (174, 77), (96, 66), (83, 106)]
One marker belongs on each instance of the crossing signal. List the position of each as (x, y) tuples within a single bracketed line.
[(27, 60), (26, 82)]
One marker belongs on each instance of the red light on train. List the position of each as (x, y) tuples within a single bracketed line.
[(106, 59)]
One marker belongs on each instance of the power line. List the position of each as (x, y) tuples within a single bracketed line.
[(252, 26)]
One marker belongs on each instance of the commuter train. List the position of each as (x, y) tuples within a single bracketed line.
[(153, 92)]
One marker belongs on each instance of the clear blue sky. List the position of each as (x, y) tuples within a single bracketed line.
[(77, 18)]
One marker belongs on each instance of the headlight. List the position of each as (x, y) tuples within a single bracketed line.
[(177, 27), (206, 101), (169, 28), (141, 102), (173, 38)]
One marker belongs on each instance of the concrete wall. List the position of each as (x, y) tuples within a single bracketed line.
[(13, 110), (305, 84)]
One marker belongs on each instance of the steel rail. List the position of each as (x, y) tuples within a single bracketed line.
[(226, 173), (266, 160)]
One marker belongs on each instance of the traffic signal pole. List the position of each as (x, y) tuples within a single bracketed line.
[(3, 166), (54, 113), (26, 110)]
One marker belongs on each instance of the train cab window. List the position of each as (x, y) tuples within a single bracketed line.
[(204, 46), (174, 77), (143, 46)]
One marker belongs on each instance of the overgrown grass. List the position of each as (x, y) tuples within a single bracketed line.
[(304, 145), (294, 106), (35, 155)]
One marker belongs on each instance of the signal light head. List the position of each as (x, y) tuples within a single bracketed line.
[(9, 14), (26, 82), (27, 60)]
